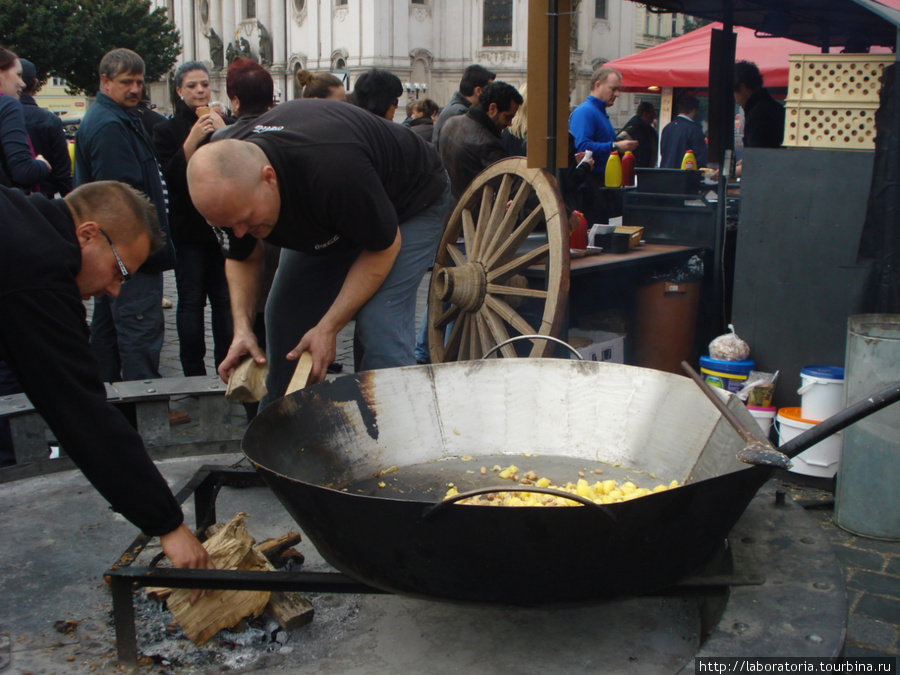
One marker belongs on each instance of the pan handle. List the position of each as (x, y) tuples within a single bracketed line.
[(845, 418), (444, 503), (534, 337)]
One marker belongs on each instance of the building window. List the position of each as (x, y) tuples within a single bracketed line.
[(58, 82), (340, 3), (249, 9), (600, 9), (498, 23), (417, 2)]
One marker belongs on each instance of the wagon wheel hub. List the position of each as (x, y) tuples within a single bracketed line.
[(464, 286)]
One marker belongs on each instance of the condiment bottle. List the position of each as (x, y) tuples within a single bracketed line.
[(689, 161), (578, 236), (613, 176), (628, 169)]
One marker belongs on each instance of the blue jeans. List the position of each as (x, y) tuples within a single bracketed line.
[(200, 274), (305, 287), (127, 331)]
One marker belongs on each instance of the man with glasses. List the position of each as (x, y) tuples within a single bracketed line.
[(126, 331), (53, 256)]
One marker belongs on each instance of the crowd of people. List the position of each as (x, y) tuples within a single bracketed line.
[(290, 220)]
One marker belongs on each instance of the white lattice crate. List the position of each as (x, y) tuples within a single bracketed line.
[(823, 125), (839, 78)]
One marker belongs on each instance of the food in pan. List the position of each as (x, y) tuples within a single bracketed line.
[(601, 492)]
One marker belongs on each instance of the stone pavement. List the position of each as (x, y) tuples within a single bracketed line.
[(871, 567)]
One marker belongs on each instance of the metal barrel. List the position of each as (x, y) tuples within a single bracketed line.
[(867, 498)]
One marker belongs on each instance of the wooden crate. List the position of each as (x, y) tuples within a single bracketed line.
[(827, 125), (837, 78)]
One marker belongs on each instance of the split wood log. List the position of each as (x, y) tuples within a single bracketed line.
[(247, 383), (291, 610), (230, 548), (278, 551)]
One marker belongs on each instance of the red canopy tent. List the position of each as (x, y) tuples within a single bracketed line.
[(684, 61)]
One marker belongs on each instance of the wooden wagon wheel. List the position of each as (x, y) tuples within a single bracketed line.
[(478, 296)]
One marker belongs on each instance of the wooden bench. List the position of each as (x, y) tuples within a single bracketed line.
[(217, 426)]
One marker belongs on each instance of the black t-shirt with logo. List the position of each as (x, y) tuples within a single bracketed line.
[(346, 178)]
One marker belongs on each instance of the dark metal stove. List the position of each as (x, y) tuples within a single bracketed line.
[(776, 588)]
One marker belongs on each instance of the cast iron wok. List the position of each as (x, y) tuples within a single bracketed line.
[(325, 448)]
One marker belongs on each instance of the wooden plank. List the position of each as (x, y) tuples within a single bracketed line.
[(290, 610)]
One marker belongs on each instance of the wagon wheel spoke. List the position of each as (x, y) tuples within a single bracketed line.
[(519, 264), (500, 237), (481, 296), (468, 227), (484, 215), (498, 332), (497, 289), (510, 316), (520, 234)]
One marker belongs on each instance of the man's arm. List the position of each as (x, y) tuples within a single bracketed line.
[(47, 347), (364, 278), (244, 286), (583, 127), (58, 156)]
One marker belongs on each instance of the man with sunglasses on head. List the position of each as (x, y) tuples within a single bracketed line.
[(54, 254)]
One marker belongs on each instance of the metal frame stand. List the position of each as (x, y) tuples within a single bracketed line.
[(123, 577)]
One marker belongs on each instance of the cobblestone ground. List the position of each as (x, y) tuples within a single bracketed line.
[(871, 567)]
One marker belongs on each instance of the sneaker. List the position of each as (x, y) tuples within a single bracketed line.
[(166, 303), (177, 417)]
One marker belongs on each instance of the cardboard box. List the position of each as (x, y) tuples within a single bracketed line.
[(598, 345)]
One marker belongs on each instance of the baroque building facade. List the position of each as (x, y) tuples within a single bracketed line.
[(426, 43)]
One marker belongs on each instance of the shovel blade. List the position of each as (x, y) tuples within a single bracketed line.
[(764, 455)]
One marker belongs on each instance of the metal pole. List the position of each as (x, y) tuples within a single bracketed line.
[(552, 83), (726, 146)]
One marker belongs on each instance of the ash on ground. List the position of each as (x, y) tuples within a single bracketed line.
[(252, 645)]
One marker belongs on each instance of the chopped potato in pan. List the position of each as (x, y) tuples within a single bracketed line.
[(601, 492)]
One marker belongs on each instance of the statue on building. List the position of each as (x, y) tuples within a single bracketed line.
[(265, 45), (244, 49), (215, 49), (230, 53)]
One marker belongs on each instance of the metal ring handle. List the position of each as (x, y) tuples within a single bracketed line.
[(449, 501), (532, 337)]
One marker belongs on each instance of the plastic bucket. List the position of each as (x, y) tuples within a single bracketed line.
[(763, 417), (821, 459), (821, 392), (727, 375)]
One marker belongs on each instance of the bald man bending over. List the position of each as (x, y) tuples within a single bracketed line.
[(357, 203)]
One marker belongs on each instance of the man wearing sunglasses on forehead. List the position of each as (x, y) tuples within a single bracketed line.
[(54, 254)]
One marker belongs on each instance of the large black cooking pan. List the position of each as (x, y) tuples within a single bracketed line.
[(330, 451)]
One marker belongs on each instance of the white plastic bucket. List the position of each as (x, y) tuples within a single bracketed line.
[(820, 460), (764, 417), (821, 392)]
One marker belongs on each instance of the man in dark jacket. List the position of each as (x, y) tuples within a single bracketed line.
[(682, 134), (474, 79), (111, 144), (47, 136), (471, 142), (640, 128), (763, 115), (54, 254)]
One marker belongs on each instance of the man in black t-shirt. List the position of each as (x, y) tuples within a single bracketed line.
[(359, 205)]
